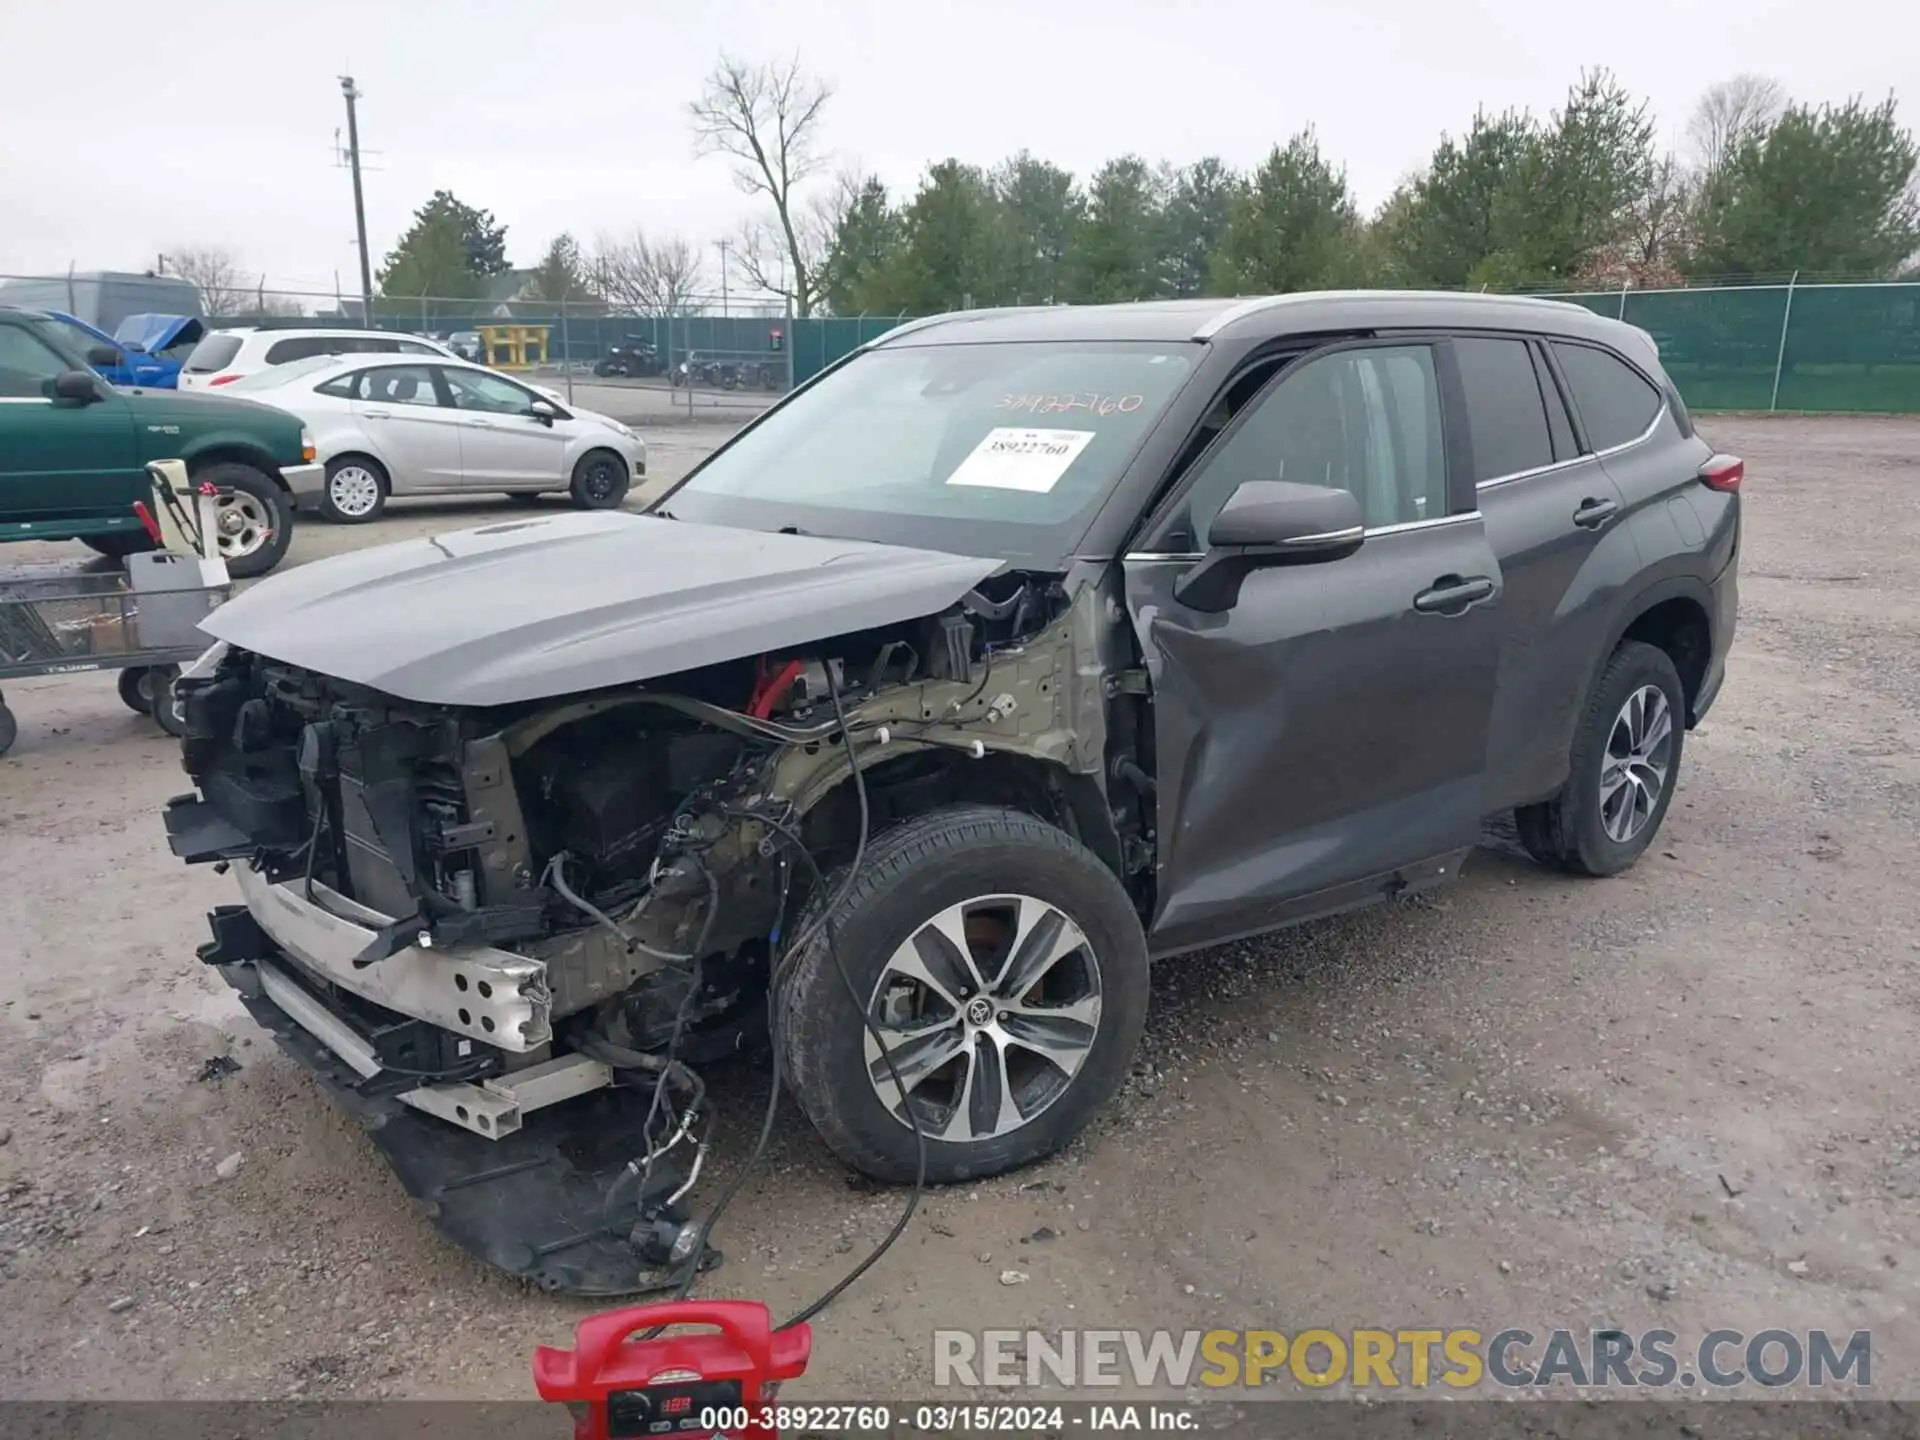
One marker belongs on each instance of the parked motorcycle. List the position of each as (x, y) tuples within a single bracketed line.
[(634, 356)]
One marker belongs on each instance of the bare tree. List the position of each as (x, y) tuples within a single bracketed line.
[(1661, 224), (765, 119), (1729, 114), (223, 290), (650, 277)]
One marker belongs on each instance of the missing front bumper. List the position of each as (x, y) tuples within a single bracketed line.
[(531, 1201)]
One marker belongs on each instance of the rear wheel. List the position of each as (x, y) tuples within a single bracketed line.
[(9, 729), (1007, 971), (599, 480), (356, 492), (254, 522), (1625, 765)]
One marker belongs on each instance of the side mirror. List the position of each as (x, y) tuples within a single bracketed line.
[(1267, 523), (76, 385), (543, 412), (103, 355)]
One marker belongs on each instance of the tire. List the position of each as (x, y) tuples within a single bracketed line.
[(267, 513), (600, 480), (9, 729), (136, 689), (120, 544), (974, 857), (166, 709), (362, 484), (1580, 832)]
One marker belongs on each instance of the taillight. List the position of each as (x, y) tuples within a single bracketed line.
[(223, 379), (1724, 473)]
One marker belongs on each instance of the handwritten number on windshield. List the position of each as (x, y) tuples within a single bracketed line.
[(1060, 404)]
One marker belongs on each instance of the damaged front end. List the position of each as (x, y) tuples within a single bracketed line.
[(462, 916)]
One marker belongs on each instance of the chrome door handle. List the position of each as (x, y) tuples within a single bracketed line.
[(377, 414), (1452, 594), (1592, 514)]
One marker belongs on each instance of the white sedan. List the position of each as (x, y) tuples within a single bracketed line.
[(393, 425)]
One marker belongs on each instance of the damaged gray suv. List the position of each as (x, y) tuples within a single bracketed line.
[(1017, 650)]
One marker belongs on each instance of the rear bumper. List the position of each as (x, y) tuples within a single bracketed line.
[(1725, 616)]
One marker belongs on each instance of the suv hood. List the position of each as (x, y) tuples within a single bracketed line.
[(531, 609)]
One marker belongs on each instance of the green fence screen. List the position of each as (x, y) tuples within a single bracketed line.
[(1841, 348)]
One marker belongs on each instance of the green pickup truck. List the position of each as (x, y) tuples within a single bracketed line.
[(74, 450)]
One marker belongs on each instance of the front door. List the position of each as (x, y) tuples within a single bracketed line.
[(67, 459), (418, 437), (1326, 737), (504, 446)]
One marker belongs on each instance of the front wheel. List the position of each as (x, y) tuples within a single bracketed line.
[(1006, 969), (1625, 764), (253, 520), (599, 480)]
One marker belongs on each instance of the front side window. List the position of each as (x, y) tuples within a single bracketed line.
[(1365, 421), (489, 394), (1506, 414), (396, 385), (28, 367), (1615, 402), (998, 448)]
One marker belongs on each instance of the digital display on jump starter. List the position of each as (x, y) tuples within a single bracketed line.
[(668, 1409)]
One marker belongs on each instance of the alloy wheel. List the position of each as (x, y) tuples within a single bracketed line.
[(1638, 762), (988, 1010)]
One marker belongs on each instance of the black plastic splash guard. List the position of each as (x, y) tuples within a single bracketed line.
[(534, 1203)]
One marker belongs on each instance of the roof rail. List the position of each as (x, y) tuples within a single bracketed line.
[(1219, 321), (928, 322)]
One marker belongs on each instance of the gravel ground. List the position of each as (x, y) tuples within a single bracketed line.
[(1681, 1097)]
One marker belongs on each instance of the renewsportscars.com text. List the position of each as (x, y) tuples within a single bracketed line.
[(1395, 1359)]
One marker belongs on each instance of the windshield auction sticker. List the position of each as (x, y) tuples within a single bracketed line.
[(1029, 460)]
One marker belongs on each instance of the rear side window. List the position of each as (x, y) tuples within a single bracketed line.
[(1616, 403), (216, 352), (1506, 414), (303, 347), (340, 387)]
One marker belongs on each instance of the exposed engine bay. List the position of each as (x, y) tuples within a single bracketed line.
[(465, 915)]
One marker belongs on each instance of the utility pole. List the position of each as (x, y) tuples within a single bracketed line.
[(724, 245), (352, 92)]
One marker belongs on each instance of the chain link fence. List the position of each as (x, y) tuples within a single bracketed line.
[(1828, 347), (1852, 348)]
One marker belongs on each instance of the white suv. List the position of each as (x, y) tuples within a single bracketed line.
[(225, 355)]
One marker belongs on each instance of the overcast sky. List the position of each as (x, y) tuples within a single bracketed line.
[(135, 127)]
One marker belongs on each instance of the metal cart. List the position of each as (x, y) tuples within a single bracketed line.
[(143, 620)]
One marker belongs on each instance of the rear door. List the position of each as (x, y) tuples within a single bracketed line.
[(1555, 519), (1326, 737), (503, 445), (61, 459), (399, 407)]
